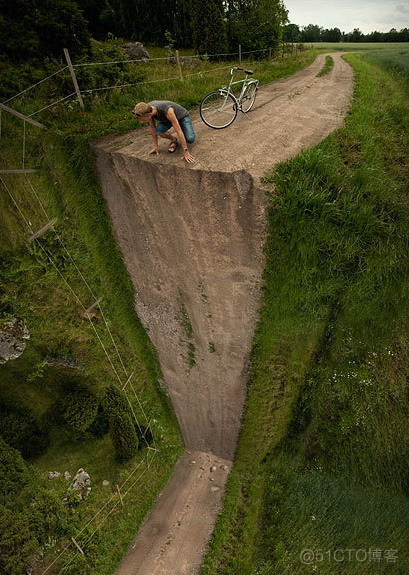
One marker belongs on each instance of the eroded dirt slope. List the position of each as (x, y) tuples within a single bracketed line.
[(191, 237)]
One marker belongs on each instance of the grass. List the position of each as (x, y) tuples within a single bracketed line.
[(357, 46), (324, 432), (326, 69)]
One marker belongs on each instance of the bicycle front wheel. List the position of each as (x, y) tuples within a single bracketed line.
[(248, 98), (218, 109)]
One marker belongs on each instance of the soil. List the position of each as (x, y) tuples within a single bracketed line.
[(192, 239)]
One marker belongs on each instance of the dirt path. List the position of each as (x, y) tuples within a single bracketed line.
[(192, 238)]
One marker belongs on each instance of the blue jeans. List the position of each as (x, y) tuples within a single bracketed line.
[(185, 124)]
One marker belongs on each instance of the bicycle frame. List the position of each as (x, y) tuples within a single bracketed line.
[(227, 89)]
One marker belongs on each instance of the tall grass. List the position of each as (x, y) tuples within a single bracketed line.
[(328, 389)]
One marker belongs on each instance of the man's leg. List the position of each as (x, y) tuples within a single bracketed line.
[(186, 125), (162, 131)]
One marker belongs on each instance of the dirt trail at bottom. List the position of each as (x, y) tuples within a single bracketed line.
[(192, 239), (171, 538)]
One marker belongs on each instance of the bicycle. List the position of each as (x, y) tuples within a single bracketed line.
[(219, 108)]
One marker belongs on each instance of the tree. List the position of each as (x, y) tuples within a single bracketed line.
[(121, 428), (42, 29), (256, 24), (331, 35), (291, 33), (208, 27), (311, 33)]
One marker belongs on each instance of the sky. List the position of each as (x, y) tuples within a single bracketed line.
[(367, 15)]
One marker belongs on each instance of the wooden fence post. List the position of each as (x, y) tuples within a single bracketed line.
[(239, 53), (74, 77), (269, 53), (179, 66)]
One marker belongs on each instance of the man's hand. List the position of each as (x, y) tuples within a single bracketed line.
[(154, 150), (187, 156)]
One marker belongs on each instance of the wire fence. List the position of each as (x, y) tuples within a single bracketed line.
[(76, 545), (174, 58)]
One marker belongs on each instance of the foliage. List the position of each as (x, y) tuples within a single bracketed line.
[(140, 20), (121, 427), (209, 30), (39, 32), (17, 542), (20, 429), (256, 24), (79, 406), (13, 471)]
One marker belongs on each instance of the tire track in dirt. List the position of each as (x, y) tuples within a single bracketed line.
[(192, 240)]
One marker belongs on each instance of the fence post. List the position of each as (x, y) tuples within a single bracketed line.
[(269, 53), (282, 54), (239, 53), (179, 66), (74, 77)]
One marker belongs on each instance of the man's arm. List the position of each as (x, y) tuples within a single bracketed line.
[(154, 135), (170, 114)]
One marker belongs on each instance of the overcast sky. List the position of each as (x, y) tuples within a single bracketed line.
[(367, 15)]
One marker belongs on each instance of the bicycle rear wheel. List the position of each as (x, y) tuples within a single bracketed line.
[(218, 109), (248, 98)]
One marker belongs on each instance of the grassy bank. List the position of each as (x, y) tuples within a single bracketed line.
[(322, 457)]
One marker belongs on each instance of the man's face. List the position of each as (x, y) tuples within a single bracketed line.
[(144, 118)]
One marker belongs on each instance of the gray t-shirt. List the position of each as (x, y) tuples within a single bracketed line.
[(163, 106)]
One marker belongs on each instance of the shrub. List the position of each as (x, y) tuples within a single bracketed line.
[(100, 425), (20, 429), (17, 542), (13, 471), (79, 407), (122, 430)]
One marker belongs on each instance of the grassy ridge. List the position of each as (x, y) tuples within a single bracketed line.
[(324, 426)]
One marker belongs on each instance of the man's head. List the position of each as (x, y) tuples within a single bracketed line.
[(142, 112)]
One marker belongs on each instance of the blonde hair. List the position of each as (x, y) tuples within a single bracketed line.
[(142, 109)]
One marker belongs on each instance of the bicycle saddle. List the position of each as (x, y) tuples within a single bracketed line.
[(248, 72)]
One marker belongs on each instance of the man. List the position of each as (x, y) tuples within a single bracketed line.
[(168, 114)]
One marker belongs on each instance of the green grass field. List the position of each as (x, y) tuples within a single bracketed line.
[(322, 461), (359, 46)]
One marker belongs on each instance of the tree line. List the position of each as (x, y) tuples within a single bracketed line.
[(315, 33), (40, 29)]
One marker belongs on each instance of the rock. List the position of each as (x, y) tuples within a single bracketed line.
[(213, 468), (81, 484), (67, 475), (136, 50), (12, 336), (53, 474), (192, 462), (63, 361), (214, 488), (105, 483), (185, 61)]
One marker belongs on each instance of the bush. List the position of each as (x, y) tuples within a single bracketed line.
[(48, 516), (17, 542), (79, 407), (13, 471), (100, 425), (121, 427), (20, 429)]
